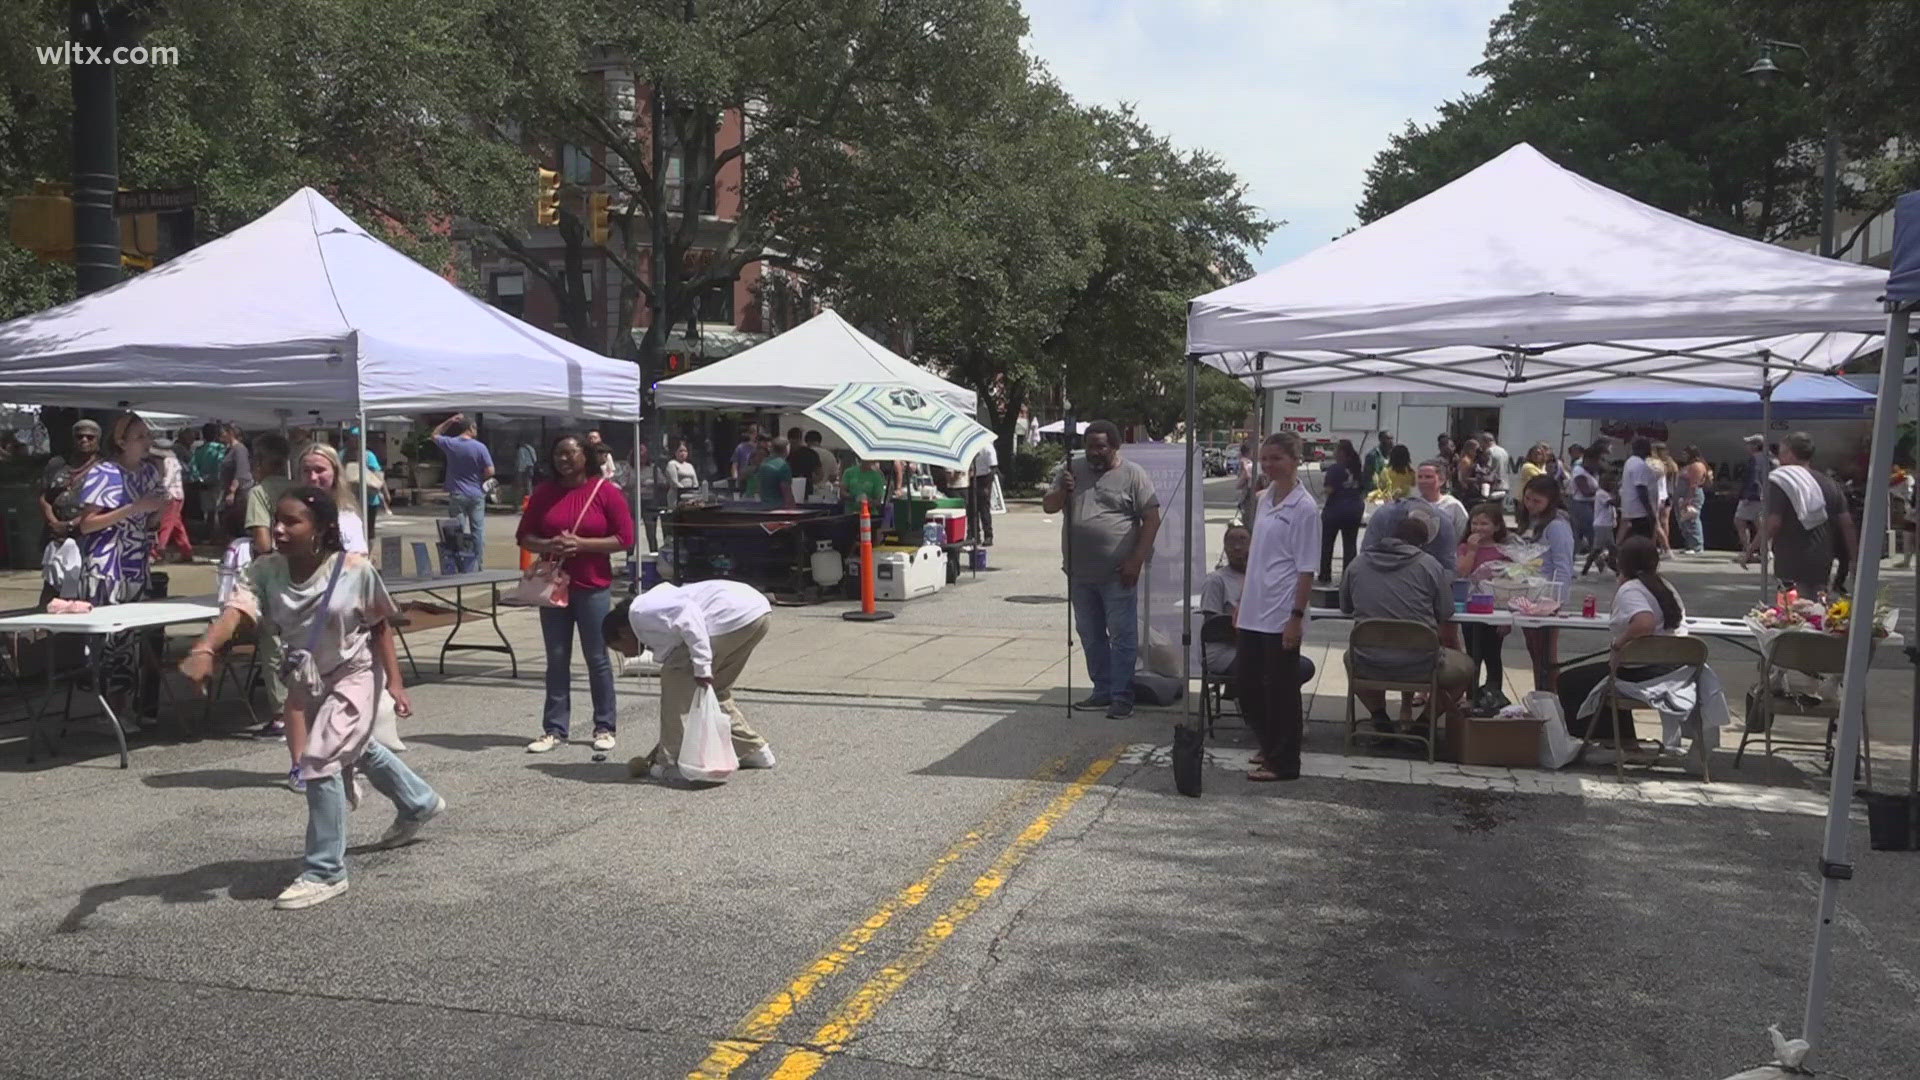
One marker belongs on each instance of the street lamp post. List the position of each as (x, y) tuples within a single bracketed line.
[(1763, 72)]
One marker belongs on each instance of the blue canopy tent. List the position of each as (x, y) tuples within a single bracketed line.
[(1799, 397)]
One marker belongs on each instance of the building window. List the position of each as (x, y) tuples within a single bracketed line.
[(716, 304), (575, 166), (681, 165), (508, 292)]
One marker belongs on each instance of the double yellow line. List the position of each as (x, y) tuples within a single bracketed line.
[(764, 1023)]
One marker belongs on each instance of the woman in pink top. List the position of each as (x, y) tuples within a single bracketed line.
[(1480, 558), (581, 519)]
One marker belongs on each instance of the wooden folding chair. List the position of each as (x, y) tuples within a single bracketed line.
[(1395, 634), (1804, 652), (1652, 649)]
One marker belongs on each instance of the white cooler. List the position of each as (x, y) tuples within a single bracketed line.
[(900, 576)]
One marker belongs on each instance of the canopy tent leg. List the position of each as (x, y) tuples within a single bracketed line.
[(639, 504), (1188, 739), (365, 476), (1853, 698), (1766, 433)]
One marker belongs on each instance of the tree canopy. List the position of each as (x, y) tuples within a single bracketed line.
[(1645, 96)]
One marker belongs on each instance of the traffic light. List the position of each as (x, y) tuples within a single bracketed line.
[(546, 209), (600, 216), (43, 222)]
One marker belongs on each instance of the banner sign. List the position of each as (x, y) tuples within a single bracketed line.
[(1163, 580)]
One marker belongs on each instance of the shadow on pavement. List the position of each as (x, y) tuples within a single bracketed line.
[(611, 771), (470, 742), (215, 779), (240, 879)]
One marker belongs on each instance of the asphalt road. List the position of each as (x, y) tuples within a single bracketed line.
[(920, 889)]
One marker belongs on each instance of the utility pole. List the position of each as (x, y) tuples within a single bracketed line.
[(96, 144)]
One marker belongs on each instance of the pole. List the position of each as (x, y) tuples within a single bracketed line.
[(1066, 545), (868, 611), (1853, 695), (1829, 184), (96, 153), (1188, 748), (1766, 433)]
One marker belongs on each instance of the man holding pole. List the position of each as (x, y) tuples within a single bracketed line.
[(1106, 540)]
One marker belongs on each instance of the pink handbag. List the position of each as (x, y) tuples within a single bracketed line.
[(545, 584)]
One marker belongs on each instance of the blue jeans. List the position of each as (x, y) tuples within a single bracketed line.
[(586, 609), (1108, 613), (1692, 537), (327, 809), (1582, 514), (471, 509)]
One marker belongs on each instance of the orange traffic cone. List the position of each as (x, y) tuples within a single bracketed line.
[(868, 612)]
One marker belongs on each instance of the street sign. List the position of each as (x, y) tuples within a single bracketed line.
[(152, 200)]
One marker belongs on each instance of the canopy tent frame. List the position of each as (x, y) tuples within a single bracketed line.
[(1405, 369), (1326, 296)]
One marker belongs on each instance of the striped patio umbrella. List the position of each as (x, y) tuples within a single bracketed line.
[(892, 421)]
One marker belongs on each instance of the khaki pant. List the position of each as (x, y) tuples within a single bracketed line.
[(677, 688)]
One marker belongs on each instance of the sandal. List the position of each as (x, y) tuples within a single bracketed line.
[(1263, 775)]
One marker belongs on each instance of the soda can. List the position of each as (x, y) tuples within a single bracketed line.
[(1588, 607)]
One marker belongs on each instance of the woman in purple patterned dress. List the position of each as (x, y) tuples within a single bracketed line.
[(122, 496)]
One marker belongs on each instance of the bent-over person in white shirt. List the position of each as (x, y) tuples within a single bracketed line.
[(702, 635), (1273, 609)]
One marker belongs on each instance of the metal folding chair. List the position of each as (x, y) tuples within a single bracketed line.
[(1649, 650), (1395, 634), (1215, 630), (1804, 652)]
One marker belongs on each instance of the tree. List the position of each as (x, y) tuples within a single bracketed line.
[(1644, 96), (1859, 69), (1030, 244), (366, 100), (815, 80)]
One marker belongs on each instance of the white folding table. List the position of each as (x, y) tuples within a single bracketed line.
[(96, 625)]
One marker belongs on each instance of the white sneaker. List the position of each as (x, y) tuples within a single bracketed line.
[(544, 743), (757, 759), (404, 829), (666, 774), (306, 892), (602, 740)]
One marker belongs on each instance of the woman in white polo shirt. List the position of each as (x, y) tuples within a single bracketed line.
[(1273, 609)]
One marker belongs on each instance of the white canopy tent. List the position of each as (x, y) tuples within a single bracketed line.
[(1524, 277), (298, 314), (793, 370)]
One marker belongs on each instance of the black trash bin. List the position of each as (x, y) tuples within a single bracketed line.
[(1890, 825)]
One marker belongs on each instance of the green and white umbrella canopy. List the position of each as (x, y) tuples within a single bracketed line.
[(896, 422)]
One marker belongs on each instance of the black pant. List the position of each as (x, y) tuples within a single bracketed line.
[(1576, 683), (1349, 531), (1268, 675), (1640, 526), (980, 514), (1483, 648)]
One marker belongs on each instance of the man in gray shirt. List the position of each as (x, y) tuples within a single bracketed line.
[(1112, 516), (1396, 578)]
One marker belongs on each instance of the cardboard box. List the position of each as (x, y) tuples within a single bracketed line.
[(1483, 740)]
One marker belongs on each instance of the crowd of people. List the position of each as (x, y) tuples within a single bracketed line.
[(1463, 514)]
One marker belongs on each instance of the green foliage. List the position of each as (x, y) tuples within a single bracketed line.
[(1035, 466), (366, 100), (1645, 96)]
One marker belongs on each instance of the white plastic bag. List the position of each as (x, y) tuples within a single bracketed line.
[(386, 724), (60, 569), (1557, 746), (706, 746)]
